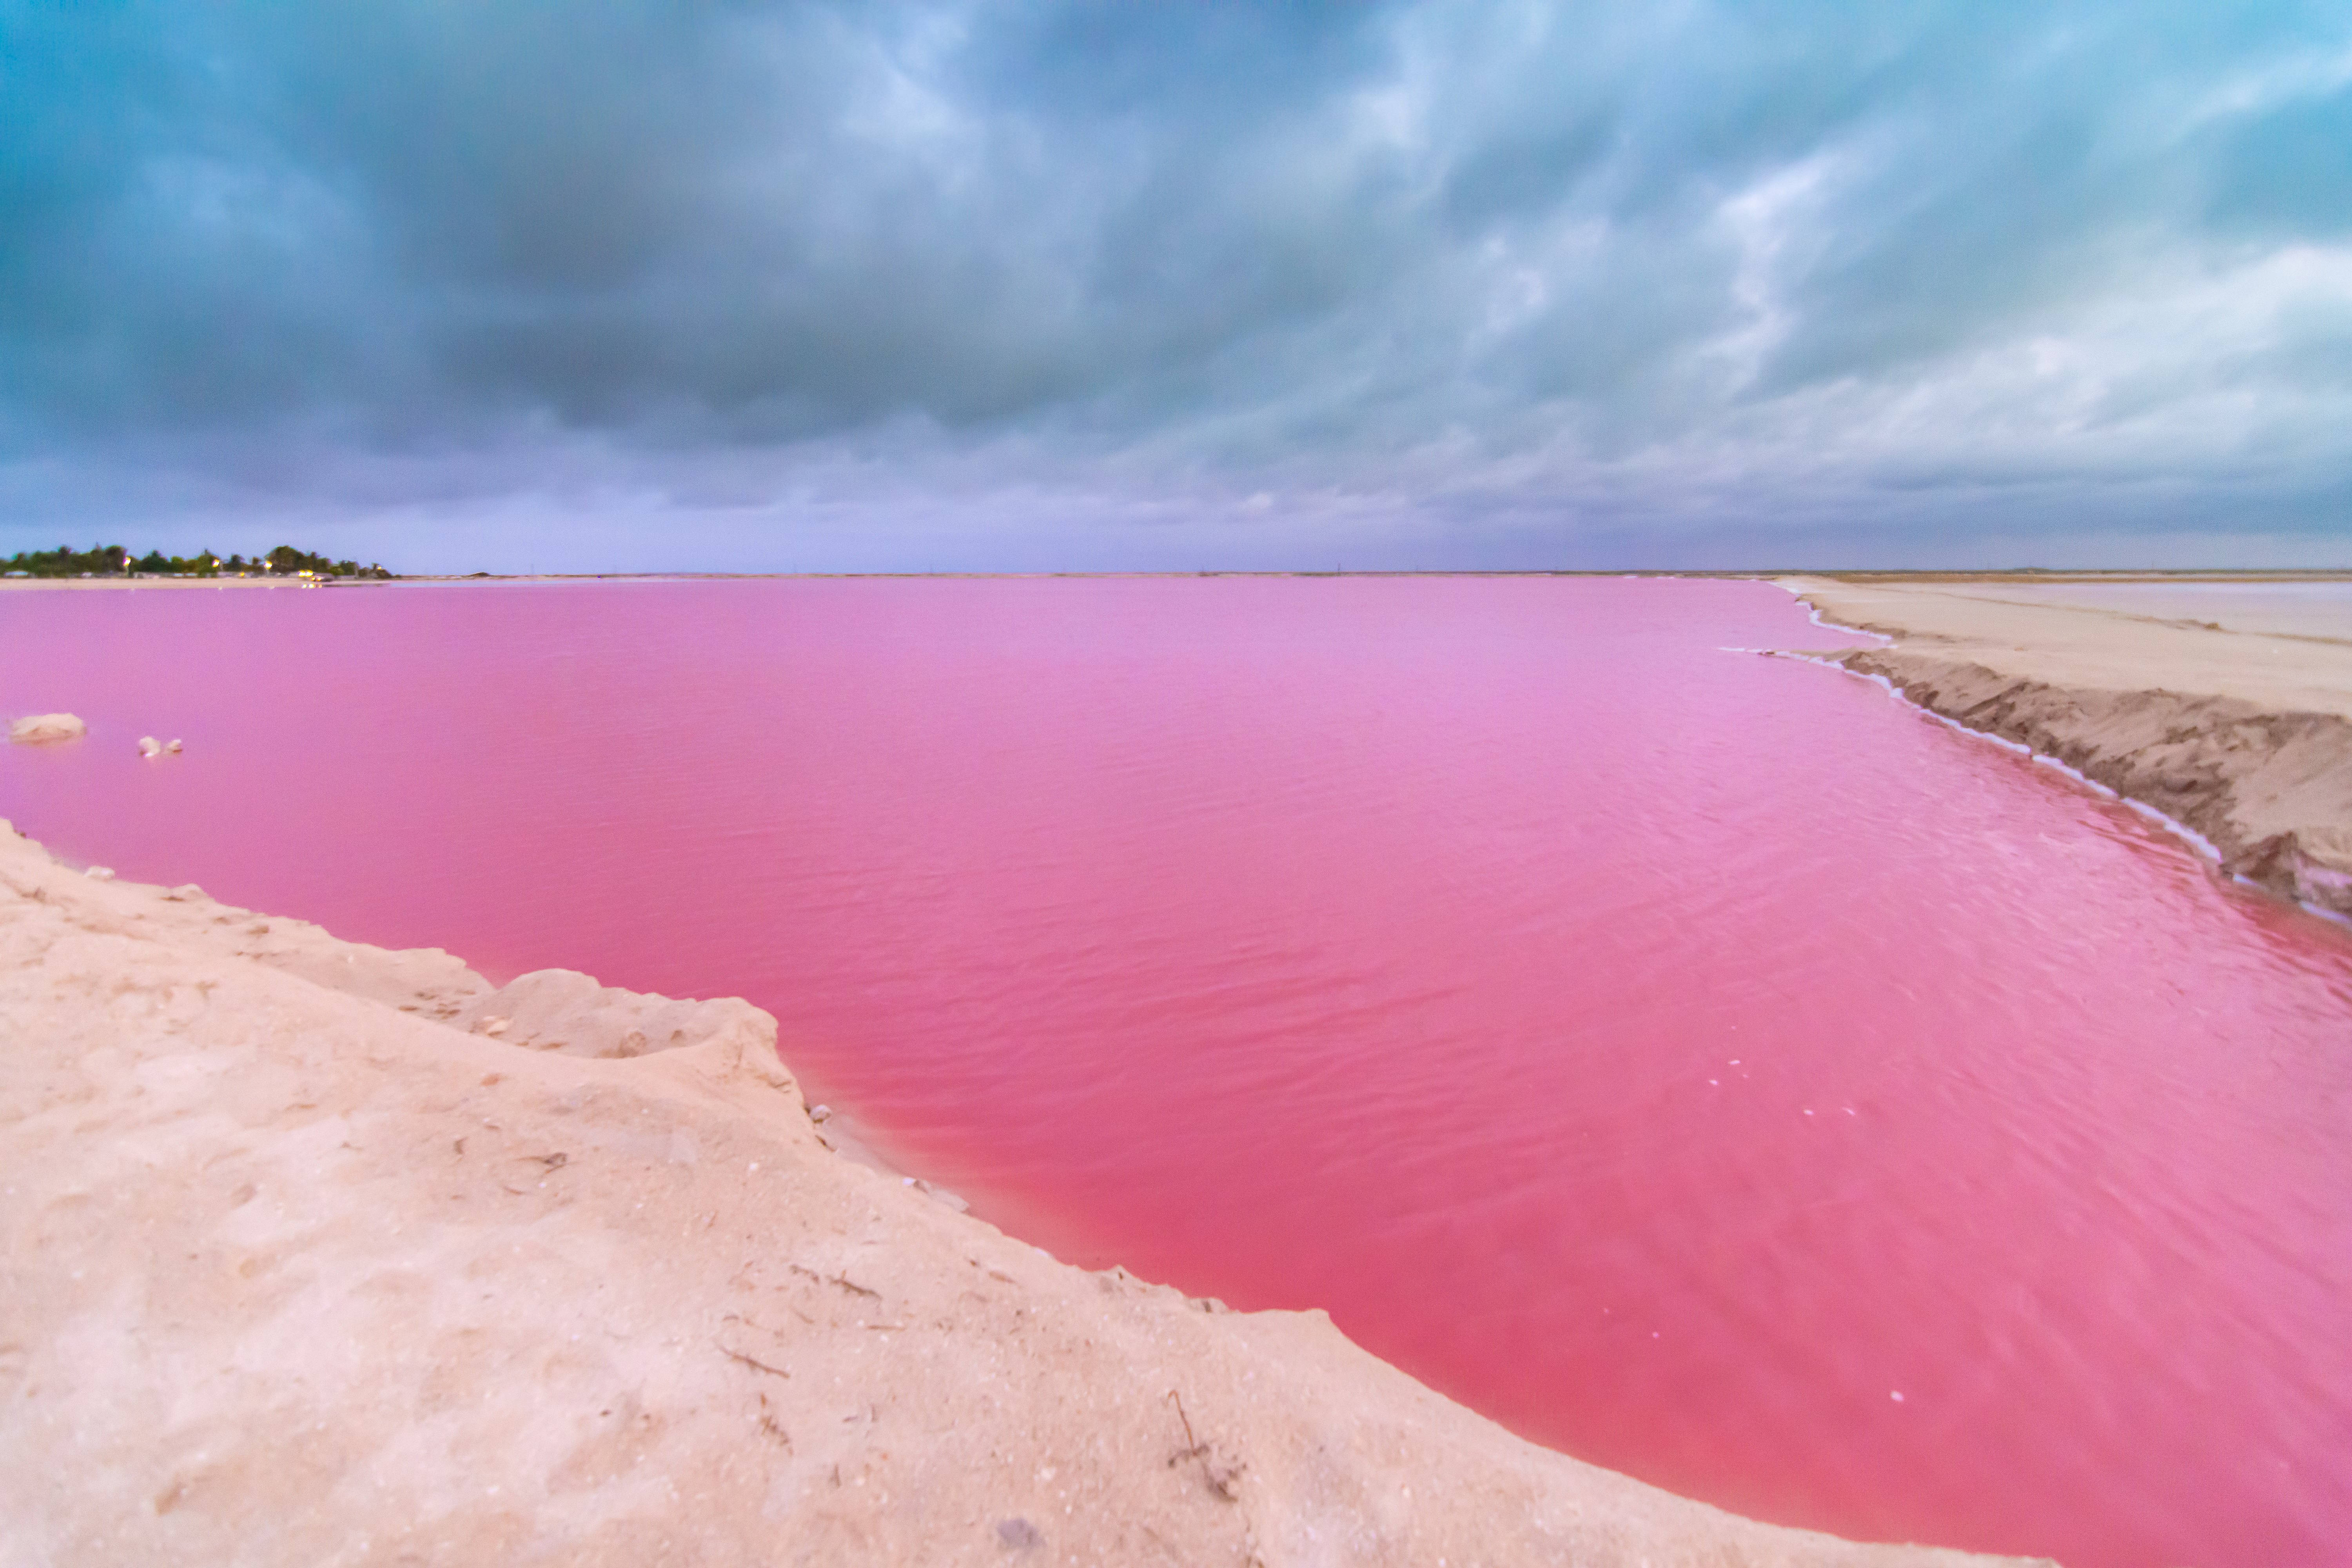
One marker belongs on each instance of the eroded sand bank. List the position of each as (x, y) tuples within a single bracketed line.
[(2225, 706), (318, 1254)]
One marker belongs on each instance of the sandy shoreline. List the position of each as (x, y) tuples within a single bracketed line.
[(2224, 707), (320, 1253)]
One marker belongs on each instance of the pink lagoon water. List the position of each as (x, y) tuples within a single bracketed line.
[(1699, 1062)]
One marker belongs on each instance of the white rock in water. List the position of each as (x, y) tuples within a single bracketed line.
[(41, 728), (172, 745), (149, 746)]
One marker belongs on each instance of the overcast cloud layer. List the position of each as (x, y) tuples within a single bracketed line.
[(774, 286)]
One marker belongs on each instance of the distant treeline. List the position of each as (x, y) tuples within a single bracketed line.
[(116, 560)]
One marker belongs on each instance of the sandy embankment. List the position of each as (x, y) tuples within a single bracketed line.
[(2227, 708), (311, 1260)]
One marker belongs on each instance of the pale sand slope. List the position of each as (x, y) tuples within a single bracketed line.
[(2232, 715), (300, 1271)]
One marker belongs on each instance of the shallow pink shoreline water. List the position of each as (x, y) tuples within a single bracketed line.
[(1673, 1053)]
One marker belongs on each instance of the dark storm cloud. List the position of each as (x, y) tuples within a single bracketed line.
[(1490, 278)]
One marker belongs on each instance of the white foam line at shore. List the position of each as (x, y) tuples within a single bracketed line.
[(2178, 829), (1815, 612)]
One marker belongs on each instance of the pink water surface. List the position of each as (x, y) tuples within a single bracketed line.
[(1675, 1053)]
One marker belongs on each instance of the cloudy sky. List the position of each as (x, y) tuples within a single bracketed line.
[(602, 284)]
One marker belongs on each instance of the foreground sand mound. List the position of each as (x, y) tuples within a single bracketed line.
[(566, 1011), (303, 1269)]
